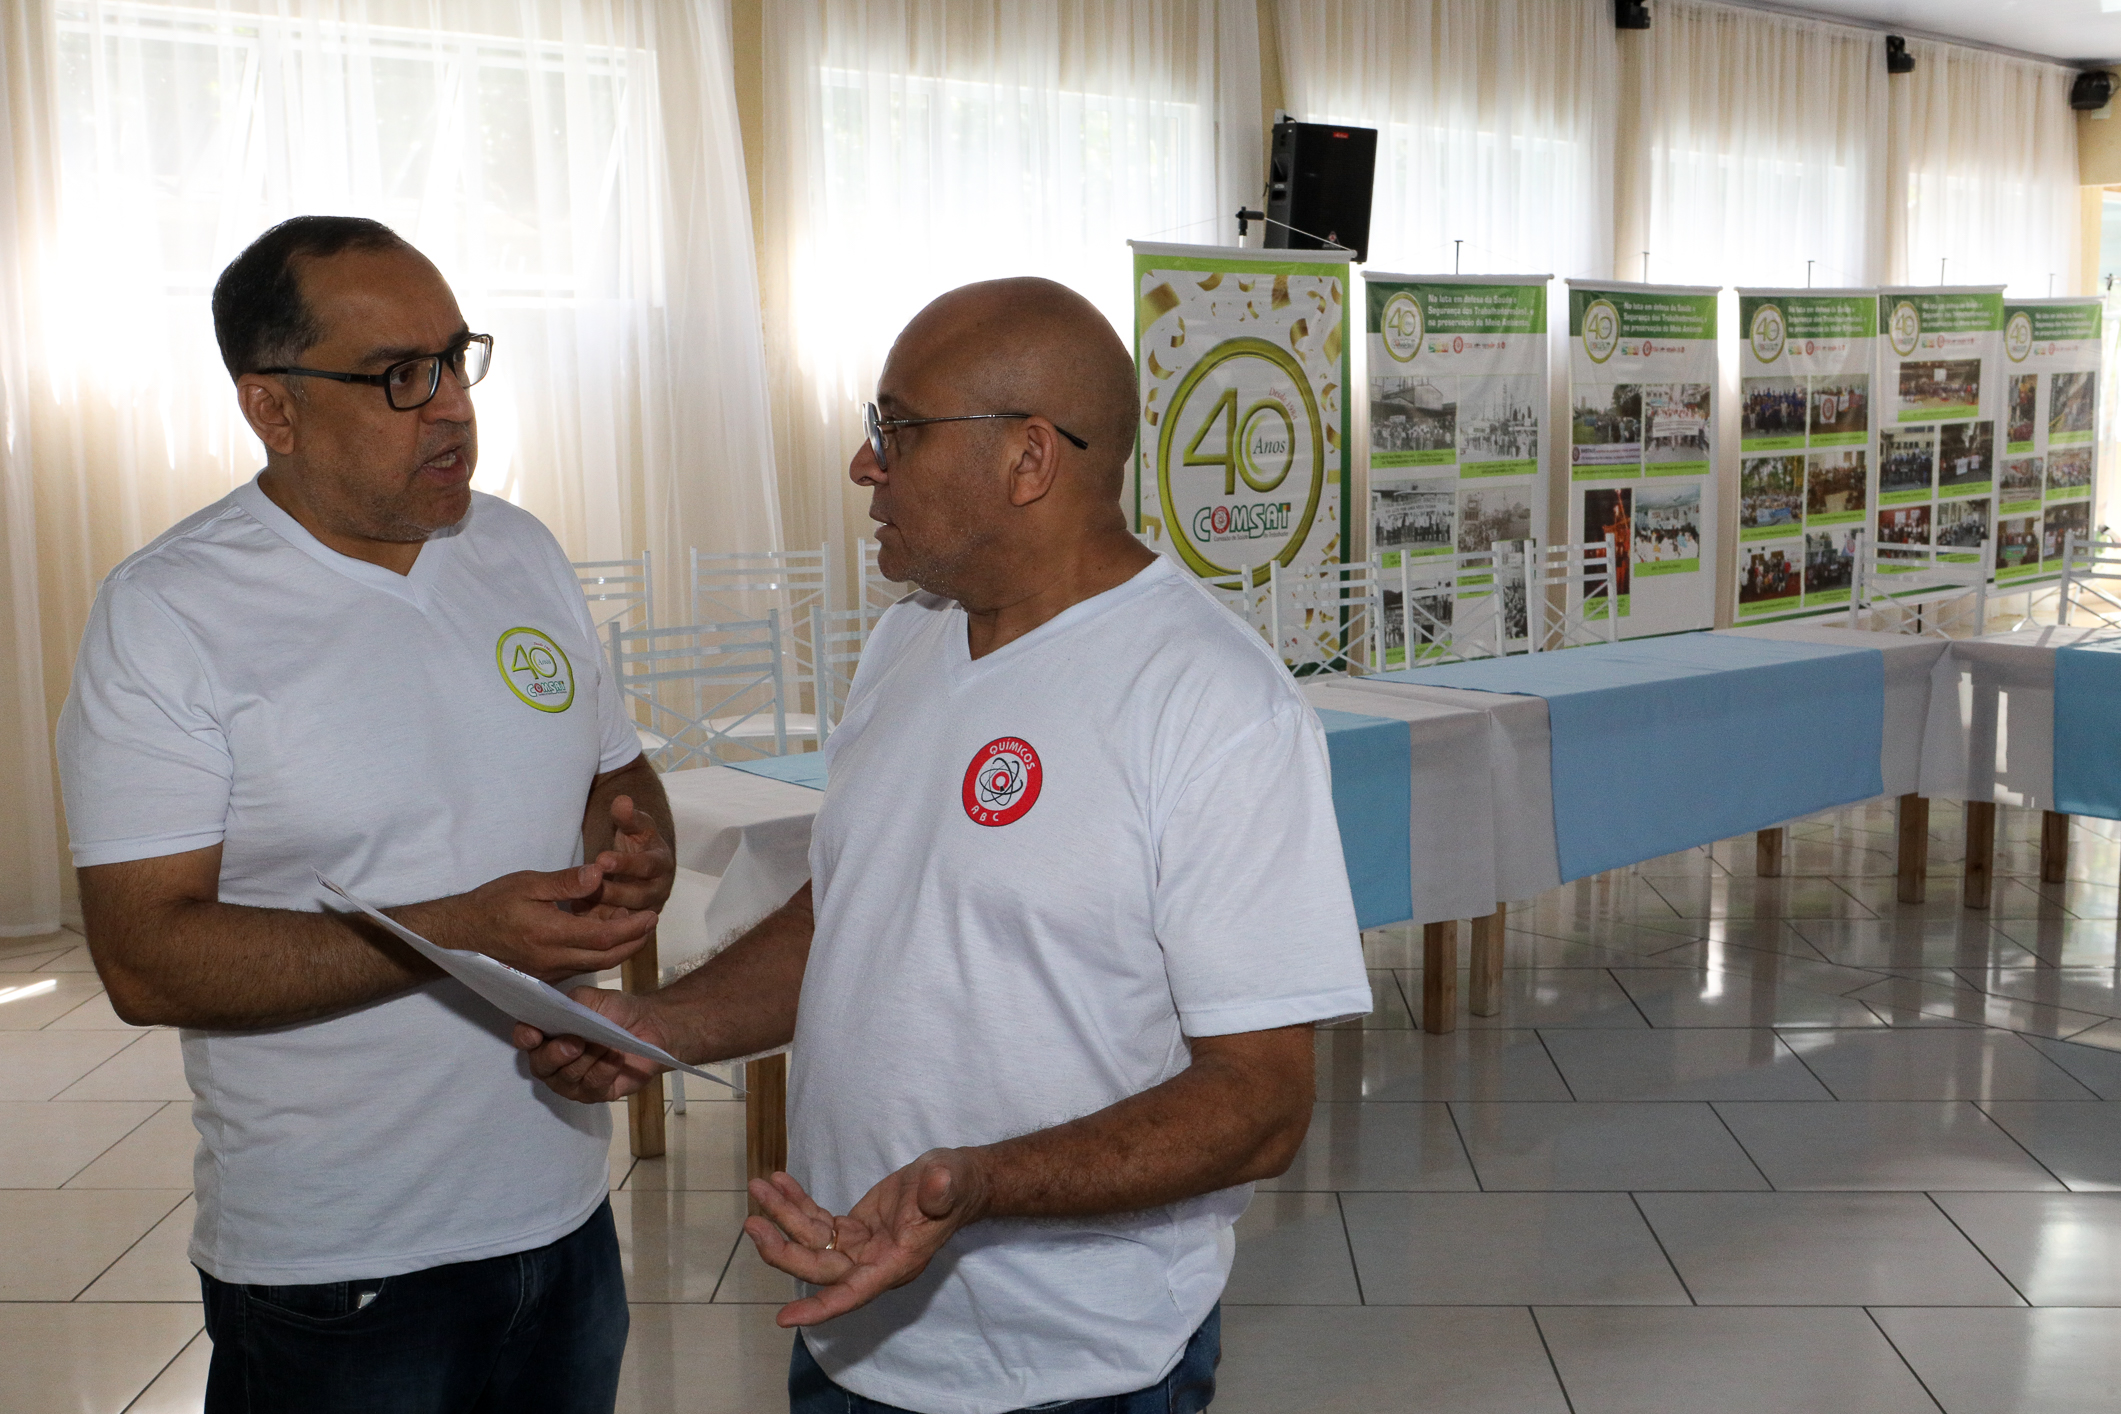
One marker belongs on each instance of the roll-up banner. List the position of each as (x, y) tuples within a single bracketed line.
[(1642, 400), (1243, 443), (1806, 448), (1938, 364), (2050, 413), (1457, 371)]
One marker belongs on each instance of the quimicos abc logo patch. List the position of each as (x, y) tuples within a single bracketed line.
[(536, 669), (1003, 781)]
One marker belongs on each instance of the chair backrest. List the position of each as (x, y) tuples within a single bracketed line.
[(615, 589), (704, 693), (1317, 618), (2091, 579), (1920, 589), (872, 592), (1446, 608), (1570, 592), (840, 636), (736, 586)]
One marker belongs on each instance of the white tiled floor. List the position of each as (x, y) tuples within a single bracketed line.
[(1733, 1144)]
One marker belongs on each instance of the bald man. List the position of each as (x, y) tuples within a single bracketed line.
[(1077, 902)]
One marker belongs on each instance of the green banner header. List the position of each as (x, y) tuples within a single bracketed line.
[(1644, 314), (1815, 316), (1458, 309), (2058, 322), (1967, 312)]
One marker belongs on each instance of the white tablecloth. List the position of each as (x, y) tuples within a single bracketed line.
[(749, 836), (1991, 729)]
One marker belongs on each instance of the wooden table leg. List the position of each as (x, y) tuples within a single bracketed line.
[(1914, 848), (2054, 847), (1439, 977), (644, 1108), (1980, 851), (1767, 853), (765, 1118), (1485, 995)]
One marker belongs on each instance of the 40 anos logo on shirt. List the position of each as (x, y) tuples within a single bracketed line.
[(1003, 781), (536, 669)]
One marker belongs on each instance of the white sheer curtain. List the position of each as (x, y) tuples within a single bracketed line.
[(573, 167), (1987, 148), (1753, 150), (1494, 118), (916, 145)]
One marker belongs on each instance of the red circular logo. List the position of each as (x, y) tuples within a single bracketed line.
[(1002, 783)]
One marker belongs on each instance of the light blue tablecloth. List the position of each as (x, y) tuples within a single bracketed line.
[(1663, 744), (2088, 729), (1373, 797), (805, 768), (1373, 769)]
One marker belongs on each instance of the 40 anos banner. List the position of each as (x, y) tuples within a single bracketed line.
[(1642, 436), (1243, 455), (1806, 468), (2050, 416), (1938, 452)]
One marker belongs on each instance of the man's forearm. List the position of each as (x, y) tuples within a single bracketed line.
[(1226, 1119), (742, 1000)]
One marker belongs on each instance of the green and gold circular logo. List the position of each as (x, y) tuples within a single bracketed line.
[(536, 669), (1904, 328), (1401, 326), (2018, 337), (1601, 330), (1766, 332), (1246, 411)]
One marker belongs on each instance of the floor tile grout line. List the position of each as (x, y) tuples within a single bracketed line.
[(1657, 1237), (148, 1232), (1631, 1002), (148, 1118), (728, 1265), (196, 1337), (1553, 1061), (102, 1063), (1879, 1326), (1832, 1097), (1347, 1235), (1718, 1112), (1552, 1364), (1450, 1108), (2000, 1129), (2001, 1275)]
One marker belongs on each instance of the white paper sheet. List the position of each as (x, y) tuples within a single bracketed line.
[(523, 997)]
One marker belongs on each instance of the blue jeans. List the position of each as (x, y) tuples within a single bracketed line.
[(1188, 1389), (537, 1332)]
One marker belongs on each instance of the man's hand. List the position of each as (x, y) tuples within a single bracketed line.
[(638, 868), (590, 1073), (524, 920), (886, 1240)]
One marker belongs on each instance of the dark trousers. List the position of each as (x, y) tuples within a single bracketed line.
[(1188, 1389), (537, 1332)]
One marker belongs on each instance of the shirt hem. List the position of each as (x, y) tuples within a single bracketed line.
[(351, 1268), (1317, 1007), (87, 856), (900, 1394)]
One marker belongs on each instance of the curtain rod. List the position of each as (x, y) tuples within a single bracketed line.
[(1864, 26)]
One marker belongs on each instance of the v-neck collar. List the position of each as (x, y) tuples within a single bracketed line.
[(412, 587), (1135, 585)]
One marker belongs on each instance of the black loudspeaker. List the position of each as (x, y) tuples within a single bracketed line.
[(1897, 59), (1631, 14), (2093, 90), (1318, 187)]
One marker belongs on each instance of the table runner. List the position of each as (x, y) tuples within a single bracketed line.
[(2087, 761), (1663, 744), (803, 769)]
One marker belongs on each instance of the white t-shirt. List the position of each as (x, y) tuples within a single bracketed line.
[(412, 736), (1036, 875)]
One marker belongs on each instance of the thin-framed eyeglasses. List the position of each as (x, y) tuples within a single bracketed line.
[(413, 382), (875, 425)]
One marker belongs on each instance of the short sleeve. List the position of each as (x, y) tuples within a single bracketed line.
[(143, 761), (1253, 909)]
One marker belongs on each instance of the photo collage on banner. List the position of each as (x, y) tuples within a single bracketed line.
[(1457, 370), (1805, 444), (1642, 431), (1938, 449), (1243, 451), (2050, 417)]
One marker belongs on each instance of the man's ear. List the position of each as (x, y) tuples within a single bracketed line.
[(1037, 463), (269, 407)]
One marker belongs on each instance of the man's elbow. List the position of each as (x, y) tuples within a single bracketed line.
[(1282, 1141), (136, 1001)]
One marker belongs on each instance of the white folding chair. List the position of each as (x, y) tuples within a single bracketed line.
[(1570, 592), (873, 593), (1920, 589), (704, 693), (2088, 562), (616, 588), (733, 586), (838, 637)]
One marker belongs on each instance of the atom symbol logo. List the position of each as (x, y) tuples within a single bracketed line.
[(1002, 782)]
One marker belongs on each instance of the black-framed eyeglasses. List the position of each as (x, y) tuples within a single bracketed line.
[(413, 382), (875, 424)]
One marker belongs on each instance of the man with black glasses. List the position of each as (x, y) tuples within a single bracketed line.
[(1077, 901), (355, 664)]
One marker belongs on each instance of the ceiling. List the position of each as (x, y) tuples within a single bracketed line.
[(2072, 31)]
